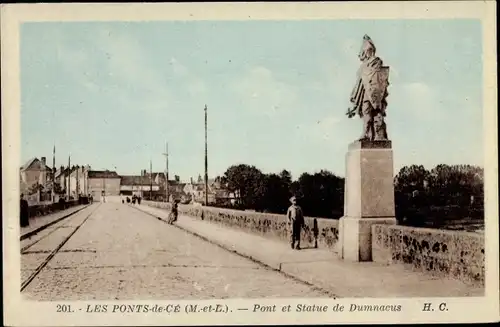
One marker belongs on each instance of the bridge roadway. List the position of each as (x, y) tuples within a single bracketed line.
[(113, 251)]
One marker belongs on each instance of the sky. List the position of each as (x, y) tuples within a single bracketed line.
[(112, 93)]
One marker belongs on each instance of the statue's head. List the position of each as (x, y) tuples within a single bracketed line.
[(367, 49)]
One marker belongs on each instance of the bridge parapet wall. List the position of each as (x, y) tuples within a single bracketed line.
[(317, 231), (455, 254)]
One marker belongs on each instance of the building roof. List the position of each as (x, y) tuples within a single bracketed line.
[(200, 187), (136, 180), (30, 163), (61, 170), (103, 174), (177, 188), (160, 175)]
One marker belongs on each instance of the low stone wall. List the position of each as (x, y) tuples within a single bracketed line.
[(318, 232), (454, 254)]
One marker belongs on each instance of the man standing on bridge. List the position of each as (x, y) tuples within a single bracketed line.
[(295, 222)]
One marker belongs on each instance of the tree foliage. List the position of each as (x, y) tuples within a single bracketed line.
[(247, 182), (57, 188), (37, 187), (445, 192), (277, 192), (320, 194)]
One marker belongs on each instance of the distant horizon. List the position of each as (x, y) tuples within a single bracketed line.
[(294, 178), (112, 93)]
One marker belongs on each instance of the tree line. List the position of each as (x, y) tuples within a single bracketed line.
[(439, 196), (321, 194)]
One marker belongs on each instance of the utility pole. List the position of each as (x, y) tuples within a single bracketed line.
[(85, 182), (77, 182), (150, 180), (54, 174), (166, 171), (69, 177), (206, 159)]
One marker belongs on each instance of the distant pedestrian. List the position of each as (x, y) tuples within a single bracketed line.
[(174, 213), (24, 212), (139, 200), (295, 223)]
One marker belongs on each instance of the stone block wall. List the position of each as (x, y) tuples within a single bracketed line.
[(454, 254), (317, 231)]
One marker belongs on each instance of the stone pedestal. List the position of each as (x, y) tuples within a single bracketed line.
[(368, 199)]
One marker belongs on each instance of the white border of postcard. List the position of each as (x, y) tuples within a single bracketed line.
[(19, 312)]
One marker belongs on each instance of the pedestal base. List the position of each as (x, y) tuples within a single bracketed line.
[(369, 197), (355, 237)]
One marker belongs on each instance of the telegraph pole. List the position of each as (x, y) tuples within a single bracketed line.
[(166, 171), (77, 182), (53, 173), (69, 177), (206, 159), (150, 180)]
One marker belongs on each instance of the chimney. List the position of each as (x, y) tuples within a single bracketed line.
[(44, 161), (191, 180), (177, 178)]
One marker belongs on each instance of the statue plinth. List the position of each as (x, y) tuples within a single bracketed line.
[(367, 144), (368, 198)]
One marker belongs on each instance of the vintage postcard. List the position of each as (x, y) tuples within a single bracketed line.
[(249, 163)]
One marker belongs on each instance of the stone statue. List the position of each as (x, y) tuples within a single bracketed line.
[(369, 95)]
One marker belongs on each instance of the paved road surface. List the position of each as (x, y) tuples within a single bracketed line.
[(120, 253)]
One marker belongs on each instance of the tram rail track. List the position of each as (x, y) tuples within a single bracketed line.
[(55, 221), (51, 255), (40, 229)]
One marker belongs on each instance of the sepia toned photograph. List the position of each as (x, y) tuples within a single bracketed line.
[(259, 159)]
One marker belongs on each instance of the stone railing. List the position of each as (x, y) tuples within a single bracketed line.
[(317, 232), (454, 254)]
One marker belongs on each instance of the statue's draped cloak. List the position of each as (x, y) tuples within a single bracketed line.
[(371, 85)]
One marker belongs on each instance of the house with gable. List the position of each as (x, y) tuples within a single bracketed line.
[(34, 171)]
